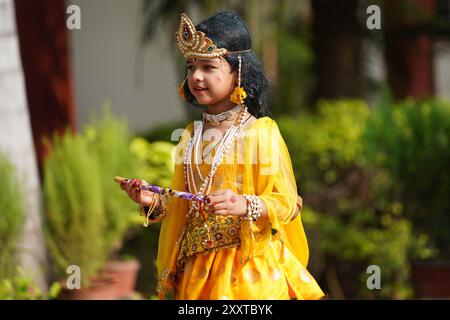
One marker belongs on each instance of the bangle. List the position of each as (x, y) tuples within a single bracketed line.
[(161, 209), (155, 213), (254, 207), (147, 211)]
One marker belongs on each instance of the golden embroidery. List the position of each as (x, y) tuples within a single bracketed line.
[(225, 232), (165, 286)]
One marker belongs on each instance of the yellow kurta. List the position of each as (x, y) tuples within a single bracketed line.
[(267, 263)]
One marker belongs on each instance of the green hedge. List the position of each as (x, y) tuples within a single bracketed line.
[(155, 160), (87, 214), (351, 217), (410, 143), (75, 216), (109, 139)]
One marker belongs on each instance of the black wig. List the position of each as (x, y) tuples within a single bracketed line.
[(227, 30)]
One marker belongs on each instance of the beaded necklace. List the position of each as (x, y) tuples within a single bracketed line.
[(192, 154)]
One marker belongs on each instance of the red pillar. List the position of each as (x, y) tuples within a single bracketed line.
[(409, 48), (44, 48)]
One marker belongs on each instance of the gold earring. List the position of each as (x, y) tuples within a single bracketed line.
[(238, 96)]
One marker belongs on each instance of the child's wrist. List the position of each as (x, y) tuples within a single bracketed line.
[(254, 207), (148, 200)]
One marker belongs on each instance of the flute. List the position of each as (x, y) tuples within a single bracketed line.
[(165, 191)]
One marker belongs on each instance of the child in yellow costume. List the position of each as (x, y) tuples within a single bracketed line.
[(249, 242)]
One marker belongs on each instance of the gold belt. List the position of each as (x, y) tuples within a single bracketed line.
[(224, 232)]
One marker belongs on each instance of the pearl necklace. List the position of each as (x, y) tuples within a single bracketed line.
[(194, 144), (198, 149)]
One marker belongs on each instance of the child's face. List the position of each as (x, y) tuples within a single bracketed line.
[(210, 80)]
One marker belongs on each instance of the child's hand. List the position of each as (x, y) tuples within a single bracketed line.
[(142, 197), (226, 202)]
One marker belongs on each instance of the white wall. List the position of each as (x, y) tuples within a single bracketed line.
[(106, 65)]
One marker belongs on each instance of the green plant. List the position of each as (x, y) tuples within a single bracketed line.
[(109, 139), (156, 160), (326, 146), (294, 84), (11, 213), (21, 287), (163, 132), (74, 215), (348, 211), (410, 142), (87, 214), (368, 239)]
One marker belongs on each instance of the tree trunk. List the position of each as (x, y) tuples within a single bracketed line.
[(44, 47), (16, 141), (337, 46)]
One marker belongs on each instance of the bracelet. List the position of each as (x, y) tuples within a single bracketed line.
[(150, 212), (254, 207), (161, 209)]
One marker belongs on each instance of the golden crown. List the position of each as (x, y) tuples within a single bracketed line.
[(193, 43)]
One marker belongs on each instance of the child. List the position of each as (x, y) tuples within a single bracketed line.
[(249, 242)]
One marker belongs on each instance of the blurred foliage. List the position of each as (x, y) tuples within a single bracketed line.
[(87, 214), (21, 287), (368, 239), (109, 138), (75, 217), (163, 132), (155, 160), (411, 143), (326, 145), (294, 85), (12, 216), (348, 212)]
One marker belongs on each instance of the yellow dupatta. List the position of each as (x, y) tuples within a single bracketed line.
[(272, 178)]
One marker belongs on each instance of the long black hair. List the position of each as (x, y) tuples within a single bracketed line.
[(228, 30)]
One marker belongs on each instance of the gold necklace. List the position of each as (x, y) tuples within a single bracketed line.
[(216, 119)]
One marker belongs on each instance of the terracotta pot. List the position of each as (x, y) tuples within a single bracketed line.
[(99, 289), (124, 274), (431, 279)]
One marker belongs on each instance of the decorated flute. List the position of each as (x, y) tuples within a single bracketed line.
[(163, 191)]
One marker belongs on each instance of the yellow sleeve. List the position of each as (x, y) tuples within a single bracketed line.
[(276, 185)]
